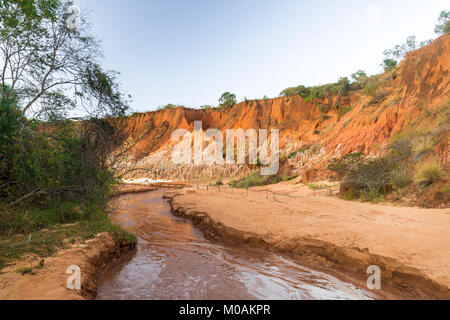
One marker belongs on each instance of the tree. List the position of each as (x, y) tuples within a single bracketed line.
[(46, 70), (358, 75), (392, 57), (53, 68), (227, 100), (343, 86), (443, 25), (389, 65), (360, 79)]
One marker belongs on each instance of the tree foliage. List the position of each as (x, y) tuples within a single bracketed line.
[(46, 71), (443, 25), (227, 100), (393, 56), (52, 68)]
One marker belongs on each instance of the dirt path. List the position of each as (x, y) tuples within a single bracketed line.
[(410, 245)]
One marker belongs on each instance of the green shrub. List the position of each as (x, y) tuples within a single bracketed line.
[(428, 172), (227, 100), (368, 179)]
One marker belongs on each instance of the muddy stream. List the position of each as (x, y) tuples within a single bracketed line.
[(173, 260)]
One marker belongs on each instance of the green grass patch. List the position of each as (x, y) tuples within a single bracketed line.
[(44, 240), (428, 173), (256, 180), (314, 186)]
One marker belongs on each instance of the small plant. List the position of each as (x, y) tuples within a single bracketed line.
[(324, 108), (428, 172), (25, 271), (295, 153), (371, 196), (423, 147), (343, 110)]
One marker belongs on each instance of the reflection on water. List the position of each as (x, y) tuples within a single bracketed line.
[(174, 261)]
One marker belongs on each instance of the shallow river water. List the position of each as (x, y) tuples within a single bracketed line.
[(174, 261)]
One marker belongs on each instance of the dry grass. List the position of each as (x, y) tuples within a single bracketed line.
[(428, 172)]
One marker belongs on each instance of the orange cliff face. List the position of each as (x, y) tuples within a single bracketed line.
[(413, 97)]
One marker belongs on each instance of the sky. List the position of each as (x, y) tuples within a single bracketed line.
[(189, 52)]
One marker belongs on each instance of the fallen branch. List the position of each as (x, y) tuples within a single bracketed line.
[(23, 198)]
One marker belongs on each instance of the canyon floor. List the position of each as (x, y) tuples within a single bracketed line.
[(410, 245)]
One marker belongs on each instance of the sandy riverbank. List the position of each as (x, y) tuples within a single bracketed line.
[(49, 282), (410, 245)]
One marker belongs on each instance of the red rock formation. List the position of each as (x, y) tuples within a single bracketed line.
[(417, 94)]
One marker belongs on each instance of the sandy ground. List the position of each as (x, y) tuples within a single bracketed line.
[(411, 245)]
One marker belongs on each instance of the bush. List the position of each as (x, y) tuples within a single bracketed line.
[(368, 179), (51, 164), (389, 64), (401, 146), (422, 147), (428, 172), (400, 177)]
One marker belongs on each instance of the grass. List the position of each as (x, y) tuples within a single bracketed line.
[(372, 196), (295, 153), (30, 270), (428, 172), (256, 180), (46, 237), (343, 110), (314, 186), (423, 147)]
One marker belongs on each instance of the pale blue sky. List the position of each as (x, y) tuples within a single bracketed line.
[(191, 51)]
